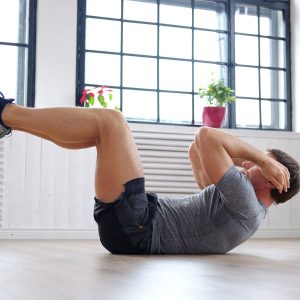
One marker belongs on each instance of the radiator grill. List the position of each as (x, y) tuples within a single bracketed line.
[(164, 156)]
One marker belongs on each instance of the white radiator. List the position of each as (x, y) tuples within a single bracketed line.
[(164, 156)]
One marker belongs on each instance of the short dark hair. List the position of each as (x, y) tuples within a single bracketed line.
[(293, 166)]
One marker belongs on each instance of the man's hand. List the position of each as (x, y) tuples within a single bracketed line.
[(276, 173)]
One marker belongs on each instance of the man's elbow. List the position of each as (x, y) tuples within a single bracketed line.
[(203, 134)]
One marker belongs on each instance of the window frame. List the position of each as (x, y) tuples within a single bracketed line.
[(283, 5), (32, 53)]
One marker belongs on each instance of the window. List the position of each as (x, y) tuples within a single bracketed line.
[(156, 56), (17, 49), (261, 52)]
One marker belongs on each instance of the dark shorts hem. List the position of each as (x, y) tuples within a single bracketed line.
[(125, 226)]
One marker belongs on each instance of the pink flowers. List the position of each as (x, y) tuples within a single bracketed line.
[(86, 94), (103, 92)]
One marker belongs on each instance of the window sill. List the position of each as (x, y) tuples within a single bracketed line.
[(190, 130)]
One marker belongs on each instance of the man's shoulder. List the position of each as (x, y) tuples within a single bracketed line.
[(238, 194), (234, 180)]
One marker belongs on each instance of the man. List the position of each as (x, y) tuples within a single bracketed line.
[(226, 212)]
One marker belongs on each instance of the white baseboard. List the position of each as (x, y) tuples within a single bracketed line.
[(72, 234), (277, 234), (55, 234)]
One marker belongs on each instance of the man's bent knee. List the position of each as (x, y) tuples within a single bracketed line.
[(107, 118), (110, 117), (109, 121)]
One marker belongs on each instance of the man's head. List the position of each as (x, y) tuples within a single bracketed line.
[(292, 165), (260, 183)]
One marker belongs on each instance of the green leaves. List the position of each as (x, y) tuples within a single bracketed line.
[(102, 101), (104, 96), (217, 93), (91, 99)]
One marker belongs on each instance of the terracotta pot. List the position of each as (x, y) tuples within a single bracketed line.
[(213, 116)]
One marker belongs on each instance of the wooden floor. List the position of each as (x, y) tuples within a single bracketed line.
[(258, 269)]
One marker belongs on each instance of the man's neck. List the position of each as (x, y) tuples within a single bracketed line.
[(264, 197)]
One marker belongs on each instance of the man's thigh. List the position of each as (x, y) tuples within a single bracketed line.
[(117, 161)]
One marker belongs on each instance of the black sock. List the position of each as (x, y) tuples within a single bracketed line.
[(3, 102)]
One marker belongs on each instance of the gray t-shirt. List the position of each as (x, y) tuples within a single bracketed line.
[(216, 220)]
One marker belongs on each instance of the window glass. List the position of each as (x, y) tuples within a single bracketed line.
[(272, 53), (15, 51), (104, 8), (175, 108), (177, 13), (246, 19), (175, 75), (204, 72), (140, 10), (273, 84), (210, 46), (244, 86), (198, 109), (271, 22), (210, 15), (140, 105), (175, 42), (247, 113), (246, 50), (102, 69), (270, 111), (14, 21), (103, 35), (13, 61), (140, 39), (140, 72)]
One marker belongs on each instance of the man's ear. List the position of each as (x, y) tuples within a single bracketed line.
[(247, 164)]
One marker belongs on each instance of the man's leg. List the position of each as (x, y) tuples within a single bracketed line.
[(74, 128), (71, 146)]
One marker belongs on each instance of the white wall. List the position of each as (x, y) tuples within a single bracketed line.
[(56, 53)]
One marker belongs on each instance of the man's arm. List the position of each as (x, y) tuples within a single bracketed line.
[(217, 150), (199, 172)]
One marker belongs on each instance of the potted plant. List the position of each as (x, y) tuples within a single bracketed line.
[(217, 94), (105, 97)]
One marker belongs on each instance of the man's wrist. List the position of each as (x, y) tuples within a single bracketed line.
[(263, 160)]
